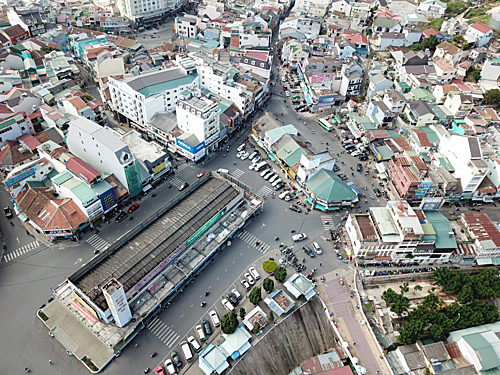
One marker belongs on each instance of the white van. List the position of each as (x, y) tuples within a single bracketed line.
[(221, 170), (284, 194), (276, 182), (214, 317), (196, 346), (186, 350), (199, 331)]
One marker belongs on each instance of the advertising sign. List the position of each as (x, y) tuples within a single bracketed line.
[(160, 267), (207, 225), (21, 176), (188, 147)]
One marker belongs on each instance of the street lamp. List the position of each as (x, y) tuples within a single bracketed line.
[(180, 269)]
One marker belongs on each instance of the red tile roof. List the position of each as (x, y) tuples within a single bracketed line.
[(481, 27), (29, 141), (482, 227), (235, 41), (422, 137), (82, 169), (77, 102), (35, 114), (262, 56), (357, 38), (431, 31)]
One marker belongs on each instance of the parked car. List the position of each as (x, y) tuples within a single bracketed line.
[(183, 186), (195, 344), (309, 251), (121, 216), (249, 278), (215, 318), (206, 326), (277, 182), (254, 273), (133, 208), (241, 147), (236, 293), (227, 305), (252, 155), (159, 370), (232, 298), (245, 156), (295, 208), (176, 358), (264, 172), (359, 168), (274, 178), (169, 364), (245, 284), (238, 155), (299, 237), (288, 198), (363, 157), (278, 186), (356, 153), (376, 191), (287, 94), (256, 159), (317, 248), (269, 175), (252, 166), (200, 332)]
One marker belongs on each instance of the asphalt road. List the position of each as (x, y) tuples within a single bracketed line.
[(160, 36)]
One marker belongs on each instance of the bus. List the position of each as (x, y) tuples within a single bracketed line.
[(325, 124)]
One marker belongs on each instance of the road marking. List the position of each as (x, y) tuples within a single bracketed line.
[(20, 251), (17, 238), (182, 315), (225, 270), (234, 261), (98, 243), (217, 279), (252, 241), (237, 173)]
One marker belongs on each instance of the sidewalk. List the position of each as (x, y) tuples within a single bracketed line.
[(350, 322)]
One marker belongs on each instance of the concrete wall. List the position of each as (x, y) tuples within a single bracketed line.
[(304, 334)]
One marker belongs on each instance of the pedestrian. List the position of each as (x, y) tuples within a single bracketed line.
[(354, 343), (50, 361), (320, 264)]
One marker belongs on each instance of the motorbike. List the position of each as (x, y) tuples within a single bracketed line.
[(207, 293), (146, 370), (292, 231), (11, 224), (203, 304), (153, 195), (276, 238), (153, 354), (131, 217), (4, 247), (169, 186)]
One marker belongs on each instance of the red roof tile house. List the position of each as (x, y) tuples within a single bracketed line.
[(406, 179), (481, 33), (49, 215), (16, 34), (484, 234)]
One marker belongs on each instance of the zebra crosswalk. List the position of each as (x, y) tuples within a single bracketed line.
[(252, 240), (182, 167), (327, 221), (264, 190), (21, 251), (98, 243), (237, 173), (175, 181), (163, 332)]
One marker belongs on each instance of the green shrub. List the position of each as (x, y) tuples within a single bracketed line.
[(269, 266)]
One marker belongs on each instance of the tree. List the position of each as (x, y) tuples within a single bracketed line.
[(270, 316), (492, 96), (268, 285), (397, 302), (280, 274), (473, 74), (269, 266), (229, 323), (256, 328), (404, 288), (418, 288), (242, 313), (413, 330), (48, 49), (455, 7), (255, 296), (466, 295)]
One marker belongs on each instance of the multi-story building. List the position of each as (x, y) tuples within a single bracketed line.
[(258, 62), (394, 100), (314, 7), (352, 77), (484, 234), (145, 12), (432, 8), (199, 116), (408, 177), (13, 127), (104, 152), (458, 104), (186, 26), (79, 40), (139, 98), (306, 25), (223, 80), (464, 153), (56, 63)]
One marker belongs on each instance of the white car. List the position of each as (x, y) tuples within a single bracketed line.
[(256, 159), (287, 94), (169, 365), (299, 237), (276, 182), (254, 273), (283, 79), (264, 172), (252, 166), (249, 278), (238, 155), (199, 331), (317, 248), (245, 284), (215, 318), (245, 156), (274, 178), (254, 154), (195, 344), (356, 153), (227, 305), (236, 293)]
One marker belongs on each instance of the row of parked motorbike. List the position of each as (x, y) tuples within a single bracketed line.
[(398, 272)]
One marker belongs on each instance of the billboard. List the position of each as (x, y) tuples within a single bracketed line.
[(188, 147), (323, 79)]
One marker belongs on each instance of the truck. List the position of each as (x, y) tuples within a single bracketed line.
[(8, 212)]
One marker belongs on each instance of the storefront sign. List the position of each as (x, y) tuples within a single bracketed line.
[(160, 267), (57, 232), (19, 177), (207, 225)]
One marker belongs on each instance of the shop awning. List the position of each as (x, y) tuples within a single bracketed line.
[(484, 261), (353, 188), (308, 200), (271, 156), (320, 207)]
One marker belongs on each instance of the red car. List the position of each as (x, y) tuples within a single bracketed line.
[(201, 174), (133, 208), (160, 370)]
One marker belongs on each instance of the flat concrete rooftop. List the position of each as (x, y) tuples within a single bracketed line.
[(133, 261)]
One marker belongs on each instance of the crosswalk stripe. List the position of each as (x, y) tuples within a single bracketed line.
[(167, 336), (8, 258), (18, 253), (172, 340), (164, 334), (245, 236), (153, 323), (5, 258), (161, 330)]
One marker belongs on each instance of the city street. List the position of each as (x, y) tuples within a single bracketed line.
[(160, 36)]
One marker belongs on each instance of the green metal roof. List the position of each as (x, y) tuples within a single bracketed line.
[(431, 134), (80, 189), (443, 229), (384, 22), (160, 88), (290, 153), (486, 354), (438, 112), (393, 133), (62, 178), (101, 187), (327, 186), (424, 95), (385, 152), (282, 130), (363, 121), (446, 164)]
